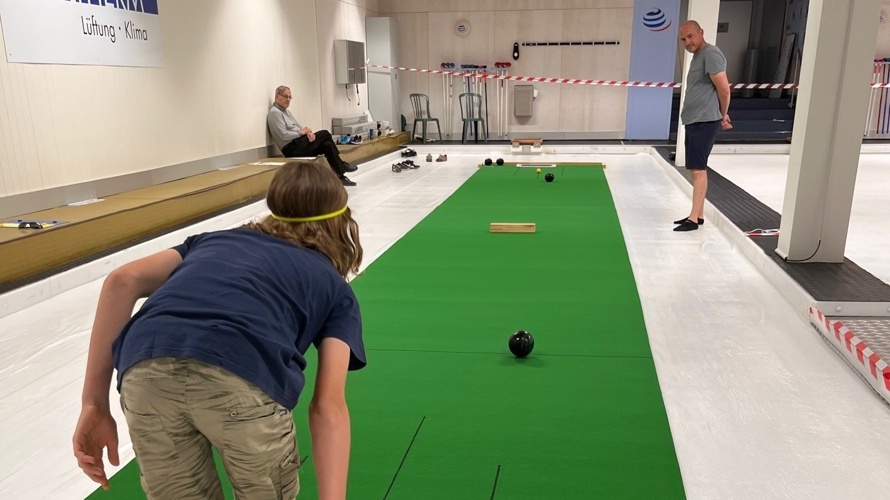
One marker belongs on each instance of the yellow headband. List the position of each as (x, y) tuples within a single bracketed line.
[(310, 219)]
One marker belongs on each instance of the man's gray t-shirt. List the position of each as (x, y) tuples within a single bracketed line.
[(701, 104)]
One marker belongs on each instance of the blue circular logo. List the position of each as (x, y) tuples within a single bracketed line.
[(655, 20)]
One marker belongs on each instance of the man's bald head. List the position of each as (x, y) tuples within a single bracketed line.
[(692, 36)]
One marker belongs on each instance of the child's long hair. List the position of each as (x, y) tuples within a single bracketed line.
[(306, 189)]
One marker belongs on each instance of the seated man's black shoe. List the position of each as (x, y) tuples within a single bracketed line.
[(349, 168), (346, 182), (701, 222), (686, 225)]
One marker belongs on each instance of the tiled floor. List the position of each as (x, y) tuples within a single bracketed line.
[(759, 406)]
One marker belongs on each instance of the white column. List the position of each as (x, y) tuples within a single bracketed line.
[(705, 12), (836, 70)]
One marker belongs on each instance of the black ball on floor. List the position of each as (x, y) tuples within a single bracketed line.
[(549, 177), (500, 161), (488, 161), (521, 343)]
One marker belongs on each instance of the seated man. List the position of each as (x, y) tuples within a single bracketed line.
[(296, 140)]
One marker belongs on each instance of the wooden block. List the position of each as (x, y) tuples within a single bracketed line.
[(527, 164), (512, 227), (528, 142)]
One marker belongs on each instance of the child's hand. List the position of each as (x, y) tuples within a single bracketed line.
[(96, 429)]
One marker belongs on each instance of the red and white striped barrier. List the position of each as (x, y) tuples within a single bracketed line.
[(605, 83), (872, 367)]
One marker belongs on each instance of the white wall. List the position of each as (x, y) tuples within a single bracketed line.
[(63, 125), (340, 20), (882, 46), (734, 43), (427, 39), (222, 60)]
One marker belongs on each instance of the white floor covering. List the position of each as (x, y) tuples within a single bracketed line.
[(759, 406), (763, 175)]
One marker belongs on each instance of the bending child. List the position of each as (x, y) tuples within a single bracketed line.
[(215, 356)]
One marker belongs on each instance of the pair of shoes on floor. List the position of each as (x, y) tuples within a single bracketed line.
[(687, 225), (442, 158), (408, 153), (346, 182), (349, 167), (356, 139), (405, 165), (429, 157)]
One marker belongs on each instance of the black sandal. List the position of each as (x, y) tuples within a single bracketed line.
[(701, 222), (686, 225)]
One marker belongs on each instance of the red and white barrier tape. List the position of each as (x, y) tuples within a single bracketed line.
[(605, 83), (844, 337)]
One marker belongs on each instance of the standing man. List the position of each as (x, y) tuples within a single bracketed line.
[(294, 139), (705, 112)]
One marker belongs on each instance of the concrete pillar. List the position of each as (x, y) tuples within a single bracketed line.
[(705, 12), (836, 71)]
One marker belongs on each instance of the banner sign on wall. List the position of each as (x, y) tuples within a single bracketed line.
[(91, 32), (653, 58)]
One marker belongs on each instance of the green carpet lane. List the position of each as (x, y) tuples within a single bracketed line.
[(559, 427), (452, 283), (581, 418)]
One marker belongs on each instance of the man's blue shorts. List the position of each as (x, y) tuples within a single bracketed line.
[(700, 139)]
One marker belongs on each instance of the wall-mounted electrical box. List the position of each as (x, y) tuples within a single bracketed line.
[(349, 62), (523, 99)]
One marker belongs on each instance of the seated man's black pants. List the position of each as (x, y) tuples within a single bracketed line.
[(323, 144)]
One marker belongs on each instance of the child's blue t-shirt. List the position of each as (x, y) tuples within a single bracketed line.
[(249, 303)]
